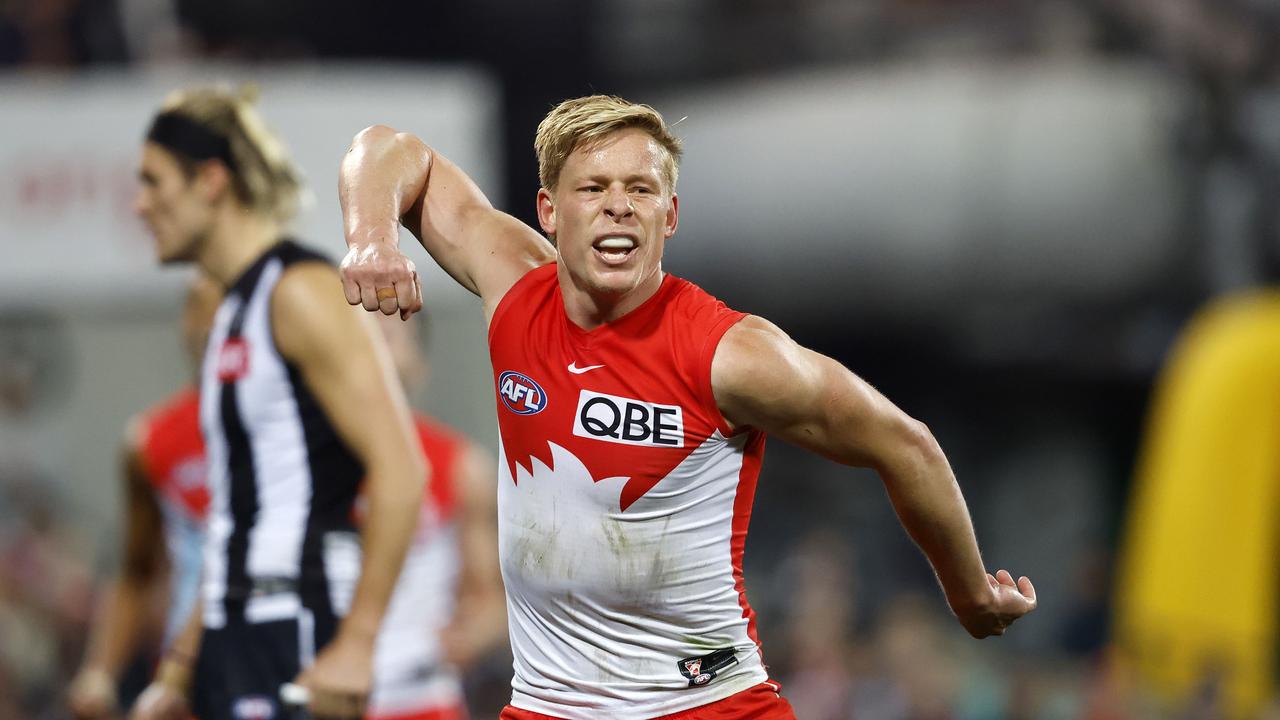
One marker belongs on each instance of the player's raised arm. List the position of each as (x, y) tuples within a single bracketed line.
[(763, 379), (388, 178)]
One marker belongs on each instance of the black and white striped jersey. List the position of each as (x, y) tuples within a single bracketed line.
[(280, 541)]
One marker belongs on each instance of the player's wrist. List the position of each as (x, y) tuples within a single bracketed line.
[(380, 234), (358, 630), (972, 602), (175, 670), (96, 672), (95, 681)]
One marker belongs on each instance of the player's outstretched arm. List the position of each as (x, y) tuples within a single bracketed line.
[(125, 608), (388, 178), (763, 379), (345, 363)]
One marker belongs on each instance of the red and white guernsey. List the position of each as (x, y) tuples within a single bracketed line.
[(173, 459), (623, 506)]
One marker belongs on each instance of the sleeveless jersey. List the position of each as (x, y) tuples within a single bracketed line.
[(280, 541), (409, 672), (624, 500), (172, 455)]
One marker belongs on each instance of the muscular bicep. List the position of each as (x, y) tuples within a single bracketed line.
[(763, 379), (345, 364), (484, 249)]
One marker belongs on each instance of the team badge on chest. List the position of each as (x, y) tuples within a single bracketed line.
[(233, 359)]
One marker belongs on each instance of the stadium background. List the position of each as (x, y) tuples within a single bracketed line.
[(1000, 212)]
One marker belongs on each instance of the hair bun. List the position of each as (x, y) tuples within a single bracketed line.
[(248, 93)]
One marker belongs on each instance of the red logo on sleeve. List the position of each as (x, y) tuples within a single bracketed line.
[(233, 360)]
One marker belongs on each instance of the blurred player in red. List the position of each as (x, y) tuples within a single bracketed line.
[(165, 501), (632, 411)]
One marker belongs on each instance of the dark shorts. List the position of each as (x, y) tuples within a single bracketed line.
[(242, 666)]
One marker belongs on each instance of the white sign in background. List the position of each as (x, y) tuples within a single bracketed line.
[(69, 149)]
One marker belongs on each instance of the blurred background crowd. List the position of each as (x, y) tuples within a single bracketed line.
[(1046, 228)]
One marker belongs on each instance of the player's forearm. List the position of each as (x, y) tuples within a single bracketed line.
[(932, 509), (178, 663), (117, 627), (393, 495), (382, 176)]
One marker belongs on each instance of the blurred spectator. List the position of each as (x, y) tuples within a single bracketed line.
[(913, 674), (45, 596), (815, 666), (60, 33)]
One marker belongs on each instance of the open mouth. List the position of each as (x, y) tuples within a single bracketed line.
[(614, 249)]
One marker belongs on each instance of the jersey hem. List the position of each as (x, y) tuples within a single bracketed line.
[(631, 711)]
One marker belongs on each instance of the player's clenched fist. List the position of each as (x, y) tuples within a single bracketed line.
[(377, 276)]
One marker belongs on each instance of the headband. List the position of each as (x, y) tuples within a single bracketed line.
[(190, 139)]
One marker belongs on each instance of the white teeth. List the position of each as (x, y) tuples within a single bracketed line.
[(616, 243)]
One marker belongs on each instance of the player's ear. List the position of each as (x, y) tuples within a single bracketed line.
[(673, 217), (212, 180), (546, 212)]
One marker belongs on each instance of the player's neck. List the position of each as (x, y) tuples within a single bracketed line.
[(237, 239), (589, 308)]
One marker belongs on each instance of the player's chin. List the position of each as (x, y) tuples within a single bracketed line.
[(615, 281), (173, 256)]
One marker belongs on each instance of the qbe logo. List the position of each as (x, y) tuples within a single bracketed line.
[(627, 421), (520, 393)]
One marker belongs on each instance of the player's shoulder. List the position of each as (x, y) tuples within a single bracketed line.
[(533, 279), (291, 252), (181, 407), (526, 295), (305, 282), (691, 301), (749, 350), (310, 316), (174, 420)]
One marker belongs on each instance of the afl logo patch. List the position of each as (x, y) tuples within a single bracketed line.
[(520, 393)]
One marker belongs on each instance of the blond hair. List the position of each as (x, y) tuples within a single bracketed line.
[(583, 120), (263, 177)]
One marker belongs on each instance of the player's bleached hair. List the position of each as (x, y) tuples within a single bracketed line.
[(587, 119), (263, 177)]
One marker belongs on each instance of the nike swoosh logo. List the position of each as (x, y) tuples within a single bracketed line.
[(573, 368)]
